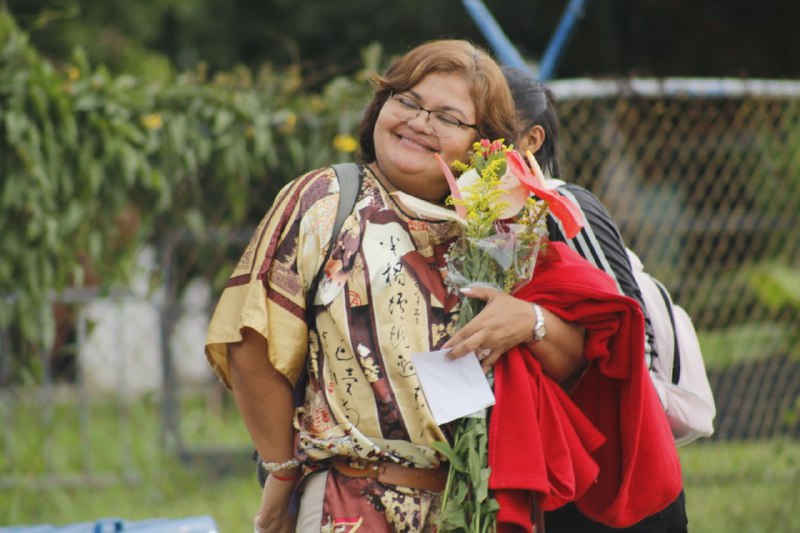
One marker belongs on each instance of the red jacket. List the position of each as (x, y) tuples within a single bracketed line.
[(608, 446)]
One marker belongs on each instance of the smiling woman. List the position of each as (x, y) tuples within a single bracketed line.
[(358, 443), (406, 141), (451, 78)]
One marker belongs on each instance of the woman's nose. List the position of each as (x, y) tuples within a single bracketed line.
[(421, 122)]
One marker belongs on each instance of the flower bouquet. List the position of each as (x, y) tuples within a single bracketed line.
[(503, 230)]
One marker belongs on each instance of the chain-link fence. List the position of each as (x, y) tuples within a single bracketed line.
[(702, 177)]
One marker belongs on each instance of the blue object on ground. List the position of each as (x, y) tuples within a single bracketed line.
[(195, 524)]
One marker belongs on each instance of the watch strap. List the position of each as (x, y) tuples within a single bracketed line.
[(539, 328)]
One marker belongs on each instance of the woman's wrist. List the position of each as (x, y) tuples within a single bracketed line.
[(539, 329), (288, 470), (286, 475), (274, 467)]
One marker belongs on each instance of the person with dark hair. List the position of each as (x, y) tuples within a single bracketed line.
[(600, 243), (355, 438), (537, 124)]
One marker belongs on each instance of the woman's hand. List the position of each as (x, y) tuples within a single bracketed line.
[(273, 516), (505, 322)]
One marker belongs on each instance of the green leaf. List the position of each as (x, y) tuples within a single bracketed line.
[(482, 491), (223, 120), (446, 450), (474, 461), (453, 518)]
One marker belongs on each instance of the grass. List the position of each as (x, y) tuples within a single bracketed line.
[(169, 493), (738, 486), (748, 487), (65, 461)]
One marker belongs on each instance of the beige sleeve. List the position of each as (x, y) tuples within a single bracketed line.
[(267, 289)]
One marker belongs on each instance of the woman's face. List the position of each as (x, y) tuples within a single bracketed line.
[(406, 141)]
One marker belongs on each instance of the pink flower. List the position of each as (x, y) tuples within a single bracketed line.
[(455, 192), (560, 207)]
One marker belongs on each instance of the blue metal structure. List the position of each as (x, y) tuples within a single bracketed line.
[(558, 42), (507, 53)]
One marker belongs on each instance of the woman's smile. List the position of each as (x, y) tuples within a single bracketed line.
[(416, 142)]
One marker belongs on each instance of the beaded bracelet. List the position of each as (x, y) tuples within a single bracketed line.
[(271, 468)]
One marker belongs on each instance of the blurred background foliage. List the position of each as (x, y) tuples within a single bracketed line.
[(96, 163)]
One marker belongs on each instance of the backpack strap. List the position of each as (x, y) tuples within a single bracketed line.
[(349, 177), (676, 359)]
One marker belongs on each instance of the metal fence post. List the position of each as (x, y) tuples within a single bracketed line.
[(171, 438), (558, 42), (505, 51)]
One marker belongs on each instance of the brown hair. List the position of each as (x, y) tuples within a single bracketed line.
[(494, 105)]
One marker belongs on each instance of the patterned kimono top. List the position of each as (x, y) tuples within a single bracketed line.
[(382, 299)]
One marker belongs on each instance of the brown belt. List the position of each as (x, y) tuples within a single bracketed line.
[(432, 479)]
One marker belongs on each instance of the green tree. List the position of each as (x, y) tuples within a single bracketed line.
[(95, 165)]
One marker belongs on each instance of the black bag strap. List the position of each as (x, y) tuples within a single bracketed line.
[(349, 176), (676, 359)]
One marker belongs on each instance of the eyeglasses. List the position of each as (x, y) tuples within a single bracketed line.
[(443, 123)]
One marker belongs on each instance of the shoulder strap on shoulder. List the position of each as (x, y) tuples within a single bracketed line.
[(668, 305), (349, 178)]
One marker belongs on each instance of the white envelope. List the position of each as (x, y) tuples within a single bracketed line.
[(453, 388)]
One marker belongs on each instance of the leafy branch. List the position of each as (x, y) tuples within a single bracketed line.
[(94, 166)]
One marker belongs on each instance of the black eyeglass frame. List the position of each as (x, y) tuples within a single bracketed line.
[(458, 123)]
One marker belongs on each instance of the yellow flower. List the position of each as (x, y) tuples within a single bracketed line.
[(289, 123), (345, 143), (152, 121), (460, 166), (73, 73), (316, 104)]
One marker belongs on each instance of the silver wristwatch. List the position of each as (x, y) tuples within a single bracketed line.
[(539, 329)]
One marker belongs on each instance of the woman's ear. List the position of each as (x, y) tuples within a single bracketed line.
[(532, 140)]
